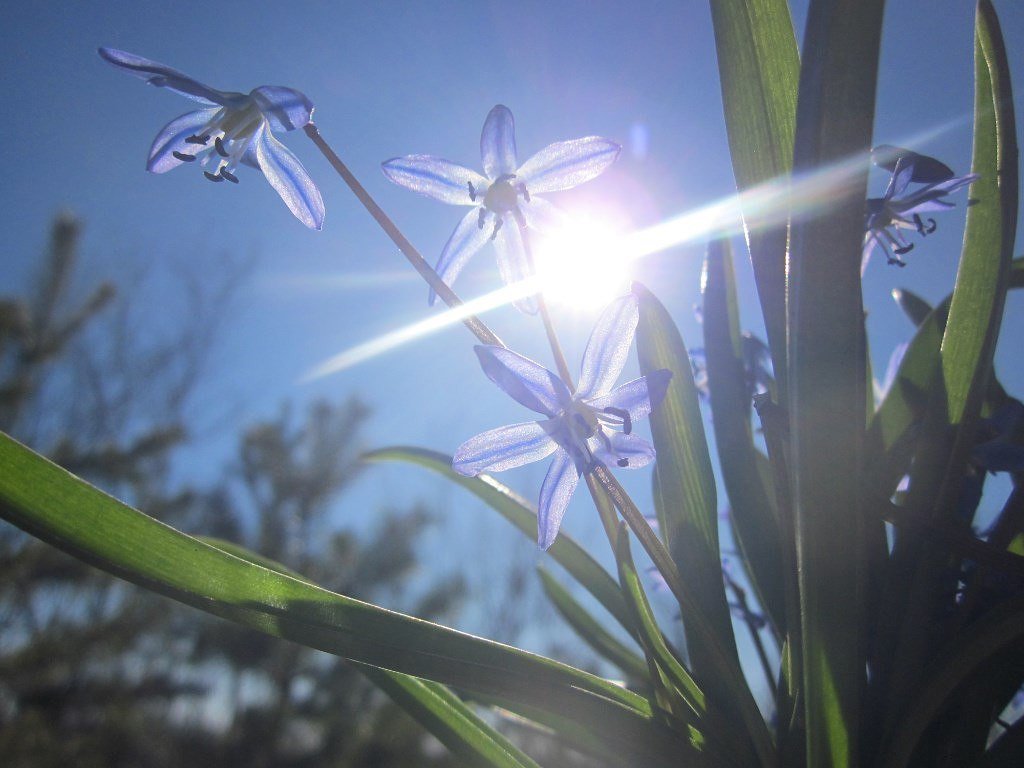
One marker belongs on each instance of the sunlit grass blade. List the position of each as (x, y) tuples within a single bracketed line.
[(591, 631), (685, 494), (433, 706), (751, 503), (686, 500), (709, 729), (566, 552), (827, 372), (913, 306), (53, 505), (975, 312), (759, 68), (450, 719)]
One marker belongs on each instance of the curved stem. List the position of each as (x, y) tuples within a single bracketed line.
[(448, 296)]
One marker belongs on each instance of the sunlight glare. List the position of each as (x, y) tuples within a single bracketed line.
[(582, 264)]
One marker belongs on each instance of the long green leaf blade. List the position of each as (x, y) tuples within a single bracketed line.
[(63, 510), (827, 370), (432, 705), (983, 275), (685, 491), (751, 503), (759, 66)]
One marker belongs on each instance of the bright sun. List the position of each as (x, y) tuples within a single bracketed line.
[(581, 264)]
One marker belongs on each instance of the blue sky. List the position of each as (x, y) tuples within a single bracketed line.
[(392, 78)]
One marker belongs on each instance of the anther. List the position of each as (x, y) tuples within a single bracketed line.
[(932, 226), (623, 462), (524, 191), (213, 176), (627, 422), (197, 139), (219, 145), (498, 221), (472, 192), (226, 174), (183, 157), (482, 219), (904, 250)]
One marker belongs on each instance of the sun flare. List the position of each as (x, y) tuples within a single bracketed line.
[(582, 264)]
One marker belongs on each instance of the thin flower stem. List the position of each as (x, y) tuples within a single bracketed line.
[(755, 635), (448, 296)]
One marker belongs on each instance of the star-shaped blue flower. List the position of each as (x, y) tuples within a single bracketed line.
[(231, 129), (579, 427), (505, 195), (899, 209)]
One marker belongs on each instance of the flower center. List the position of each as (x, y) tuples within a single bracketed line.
[(226, 137), (502, 196)]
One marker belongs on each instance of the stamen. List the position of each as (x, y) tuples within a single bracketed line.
[(219, 145), (213, 176), (498, 221), (183, 157), (623, 462), (895, 261), (225, 173), (472, 192), (482, 219), (627, 422), (198, 139), (523, 191), (932, 226), (904, 250)]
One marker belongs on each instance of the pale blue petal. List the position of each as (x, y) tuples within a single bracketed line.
[(285, 108), (172, 139), (541, 215), (462, 245), (608, 347), (637, 397), (636, 451), (565, 164), (901, 177), (512, 262), (437, 178), (165, 77), (503, 448), (498, 143), (522, 379), (559, 483), (287, 176)]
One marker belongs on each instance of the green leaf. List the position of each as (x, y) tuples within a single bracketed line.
[(53, 505), (827, 370), (432, 705), (566, 552), (965, 377), (591, 631), (450, 719), (759, 65), (650, 633), (685, 493), (982, 278), (752, 513), (998, 630)]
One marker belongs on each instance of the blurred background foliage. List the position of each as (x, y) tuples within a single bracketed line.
[(95, 672)]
